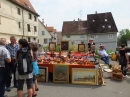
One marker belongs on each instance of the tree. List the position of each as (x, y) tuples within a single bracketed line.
[(123, 36)]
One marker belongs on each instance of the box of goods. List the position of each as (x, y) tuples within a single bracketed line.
[(107, 73), (117, 75)]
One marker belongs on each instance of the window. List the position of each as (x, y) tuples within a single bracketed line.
[(82, 42), (38, 40), (68, 36), (34, 39), (50, 40), (35, 18), (0, 5), (28, 39), (96, 36), (92, 36), (103, 26), (110, 36), (43, 33), (105, 20), (72, 43), (35, 29), (30, 16), (45, 41), (28, 27), (109, 26), (82, 36), (93, 20), (18, 11), (19, 25)]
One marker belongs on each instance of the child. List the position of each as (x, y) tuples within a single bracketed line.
[(34, 47)]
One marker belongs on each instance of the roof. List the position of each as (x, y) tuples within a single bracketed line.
[(74, 27), (101, 23), (25, 4), (51, 29)]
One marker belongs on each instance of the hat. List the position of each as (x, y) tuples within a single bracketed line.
[(101, 45), (90, 39)]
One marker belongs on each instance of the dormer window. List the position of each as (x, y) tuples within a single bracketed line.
[(109, 26), (103, 26), (105, 20), (27, 5), (93, 20)]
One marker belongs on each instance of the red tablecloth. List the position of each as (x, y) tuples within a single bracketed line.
[(50, 66)]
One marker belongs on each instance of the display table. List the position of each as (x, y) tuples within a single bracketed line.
[(50, 66)]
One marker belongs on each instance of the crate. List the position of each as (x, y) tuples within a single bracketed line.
[(117, 75)]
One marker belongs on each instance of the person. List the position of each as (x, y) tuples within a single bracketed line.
[(123, 56), (34, 47), (23, 44), (103, 55), (4, 56), (90, 44), (13, 47)]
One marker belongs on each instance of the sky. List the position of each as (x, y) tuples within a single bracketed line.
[(54, 12)]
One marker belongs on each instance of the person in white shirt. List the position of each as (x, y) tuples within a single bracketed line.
[(103, 55)]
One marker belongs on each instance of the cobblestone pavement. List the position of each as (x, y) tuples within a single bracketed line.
[(113, 88)]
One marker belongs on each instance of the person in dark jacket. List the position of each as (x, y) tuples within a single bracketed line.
[(123, 59)]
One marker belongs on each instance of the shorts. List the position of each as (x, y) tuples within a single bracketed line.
[(34, 79), (29, 83)]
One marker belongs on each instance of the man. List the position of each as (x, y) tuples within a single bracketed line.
[(4, 56), (12, 47), (90, 45), (103, 55)]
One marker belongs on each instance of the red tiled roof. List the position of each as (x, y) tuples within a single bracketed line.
[(25, 4), (74, 27), (50, 29)]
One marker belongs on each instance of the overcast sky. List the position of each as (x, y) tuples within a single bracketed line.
[(54, 12)]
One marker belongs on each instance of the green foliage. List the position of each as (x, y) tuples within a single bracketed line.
[(57, 48), (123, 36)]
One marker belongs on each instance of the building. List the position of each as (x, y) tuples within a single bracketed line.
[(18, 17), (44, 37), (102, 28), (59, 37), (75, 31), (99, 26), (52, 31)]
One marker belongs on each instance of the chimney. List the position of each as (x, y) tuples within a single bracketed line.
[(74, 19), (46, 25), (95, 12), (43, 21), (78, 19)]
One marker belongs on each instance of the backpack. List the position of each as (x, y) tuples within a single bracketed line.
[(24, 62), (122, 60)]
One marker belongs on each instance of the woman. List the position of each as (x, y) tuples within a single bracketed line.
[(23, 44), (34, 47), (123, 59)]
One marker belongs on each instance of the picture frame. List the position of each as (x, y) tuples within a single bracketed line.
[(64, 46), (81, 47), (84, 76), (43, 74), (60, 73), (52, 46)]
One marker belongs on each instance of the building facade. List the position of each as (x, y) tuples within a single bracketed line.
[(99, 26), (75, 32), (44, 37), (19, 18)]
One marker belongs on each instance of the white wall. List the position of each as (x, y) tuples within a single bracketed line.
[(45, 36), (9, 19), (76, 39)]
